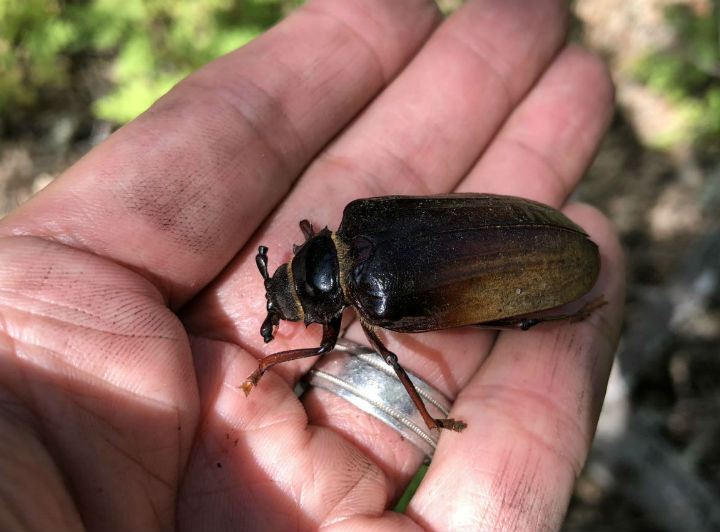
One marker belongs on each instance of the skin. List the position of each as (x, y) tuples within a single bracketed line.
[(130, 303)]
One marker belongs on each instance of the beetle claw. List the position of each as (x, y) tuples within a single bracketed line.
[(451, 424), (250, 383), (247, 387)]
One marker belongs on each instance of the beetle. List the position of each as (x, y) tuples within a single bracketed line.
[(423, 263)]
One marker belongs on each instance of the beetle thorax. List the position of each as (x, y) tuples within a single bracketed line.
[(316, 279)]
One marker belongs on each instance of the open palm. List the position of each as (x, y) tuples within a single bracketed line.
[(130, 303)]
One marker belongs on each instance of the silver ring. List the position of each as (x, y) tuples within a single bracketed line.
[(359, 374)]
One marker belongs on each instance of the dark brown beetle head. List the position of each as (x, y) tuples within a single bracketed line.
[(279, 292), (306, 288)]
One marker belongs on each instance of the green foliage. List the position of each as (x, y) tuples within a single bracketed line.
[(688, 71), (30, 39), (148, 45)]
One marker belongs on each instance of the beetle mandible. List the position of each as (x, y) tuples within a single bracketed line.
[(424, 263)]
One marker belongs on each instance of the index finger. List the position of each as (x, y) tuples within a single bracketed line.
[(177, 192)]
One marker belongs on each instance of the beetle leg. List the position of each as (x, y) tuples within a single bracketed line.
[(392, 359), (525, 323), (331, 330)]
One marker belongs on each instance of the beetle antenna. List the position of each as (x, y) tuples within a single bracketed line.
[(261, 260), (307, 229)]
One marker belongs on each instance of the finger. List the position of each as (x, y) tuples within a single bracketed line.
[(546, 145), (531, 412), (177, 192), (448, 359), (540, 153)]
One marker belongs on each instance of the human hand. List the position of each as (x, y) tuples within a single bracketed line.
[(130, 303)]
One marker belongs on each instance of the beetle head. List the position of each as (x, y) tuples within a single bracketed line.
[(279, 292)]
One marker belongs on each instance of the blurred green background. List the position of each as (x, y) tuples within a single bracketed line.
[(139, 48), (73, 71)]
